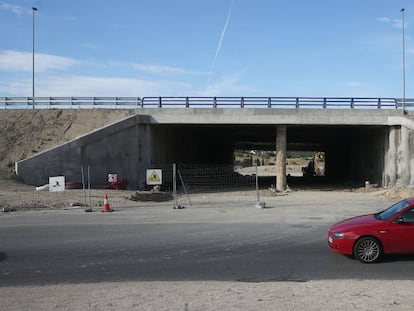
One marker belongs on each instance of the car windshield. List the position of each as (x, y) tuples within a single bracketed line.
[(392, 210)]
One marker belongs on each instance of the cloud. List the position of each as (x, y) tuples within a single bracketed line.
[(90, 45), (227, 85), (22, 61), (156, 69), (16, 9), (78, 85), (396, 23), (106, 86), (223, 32), (62, 76), (70, 18), (352, 84)]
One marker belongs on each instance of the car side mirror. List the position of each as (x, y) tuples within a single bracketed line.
[(401, 220)]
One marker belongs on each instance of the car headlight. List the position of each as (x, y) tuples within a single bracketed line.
[(338, 235)]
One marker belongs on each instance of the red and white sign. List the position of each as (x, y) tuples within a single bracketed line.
[(112, 177)]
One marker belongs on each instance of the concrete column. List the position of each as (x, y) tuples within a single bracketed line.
[(404, 157), (390, 158), (281, 158), (399, 158)]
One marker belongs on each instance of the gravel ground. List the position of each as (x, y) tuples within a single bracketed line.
[(187, 296)]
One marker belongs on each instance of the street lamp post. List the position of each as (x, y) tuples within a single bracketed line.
[(33, 57), (403, 56)]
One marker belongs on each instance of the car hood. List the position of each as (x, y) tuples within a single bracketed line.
[(355, 221)]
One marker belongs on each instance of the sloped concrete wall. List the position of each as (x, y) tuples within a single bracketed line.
[(123, 148)]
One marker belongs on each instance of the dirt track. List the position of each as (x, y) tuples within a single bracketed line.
[(202, 296)]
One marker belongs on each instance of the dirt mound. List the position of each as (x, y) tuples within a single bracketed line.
[(399, 192), (24, 133)]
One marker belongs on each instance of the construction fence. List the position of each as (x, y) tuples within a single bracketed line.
[(210, 185)]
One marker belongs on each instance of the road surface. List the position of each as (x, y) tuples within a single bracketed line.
[(285, 242)]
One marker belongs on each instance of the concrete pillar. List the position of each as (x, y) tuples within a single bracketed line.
[(281, 158), (390, 158), (404, 157)]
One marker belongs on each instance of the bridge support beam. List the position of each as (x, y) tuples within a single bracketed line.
[(281, 158)]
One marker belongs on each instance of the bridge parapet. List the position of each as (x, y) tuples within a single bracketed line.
[(204, 102)]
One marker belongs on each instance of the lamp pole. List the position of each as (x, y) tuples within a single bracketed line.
[(403, 56), (33, 57)]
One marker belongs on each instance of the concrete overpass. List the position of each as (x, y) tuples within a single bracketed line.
[(360, 144)]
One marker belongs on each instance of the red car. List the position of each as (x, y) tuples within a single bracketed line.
[(368, 237)]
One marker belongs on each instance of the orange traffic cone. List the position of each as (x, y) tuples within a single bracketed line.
[(106, 207)]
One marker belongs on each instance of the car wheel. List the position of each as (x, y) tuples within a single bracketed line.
[(368, 250)]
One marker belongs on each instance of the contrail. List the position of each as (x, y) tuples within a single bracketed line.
[(220, 42)]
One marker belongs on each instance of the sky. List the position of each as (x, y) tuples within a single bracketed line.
[(299, 48)]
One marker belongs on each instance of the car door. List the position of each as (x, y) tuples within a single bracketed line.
[(399, 238)]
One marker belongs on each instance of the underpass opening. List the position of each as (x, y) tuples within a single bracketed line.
[(302, 167), (351, 154)]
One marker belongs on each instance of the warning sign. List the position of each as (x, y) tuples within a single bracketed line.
[(154, 177), (112, 177), (57, 183)]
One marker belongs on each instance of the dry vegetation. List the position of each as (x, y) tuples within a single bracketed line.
[(27, 132)]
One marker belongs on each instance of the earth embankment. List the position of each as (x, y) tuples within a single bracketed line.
[(27, 132)]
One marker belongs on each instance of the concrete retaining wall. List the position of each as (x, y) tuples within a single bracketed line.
[(123, 148)]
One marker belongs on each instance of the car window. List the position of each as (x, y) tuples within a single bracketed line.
[(409, 216), (392, 210)]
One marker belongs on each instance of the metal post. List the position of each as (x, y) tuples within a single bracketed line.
[(83, 184), (257, 186), (258, 203), (33, 57), (403, 56), (185, 189), (174, 185), (89, 189)]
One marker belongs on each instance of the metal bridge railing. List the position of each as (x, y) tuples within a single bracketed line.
[(202, 102), (70, 102)]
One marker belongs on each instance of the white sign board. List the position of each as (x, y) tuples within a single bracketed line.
[(154, 176), (112, 177), (57, 183)]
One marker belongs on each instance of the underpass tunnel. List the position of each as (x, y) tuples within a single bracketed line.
[(358, 156), (353, 154), (192, 144)]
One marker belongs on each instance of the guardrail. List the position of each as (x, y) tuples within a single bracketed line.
[(202, 102), (70, 102)]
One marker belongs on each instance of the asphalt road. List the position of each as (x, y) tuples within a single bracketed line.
[(283, 243)]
